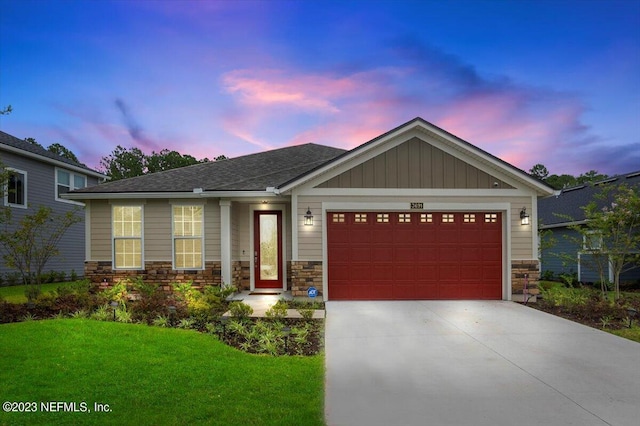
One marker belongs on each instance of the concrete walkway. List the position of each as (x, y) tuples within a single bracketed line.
[(261, 303), (474, 363)]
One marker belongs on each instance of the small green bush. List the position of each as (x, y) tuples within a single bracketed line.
[(240, 310), (278, 310)]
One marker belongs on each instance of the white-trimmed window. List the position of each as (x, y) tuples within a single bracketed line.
[(127, 237), (188, 237), (15, 194), (592, 241), (68, 181)]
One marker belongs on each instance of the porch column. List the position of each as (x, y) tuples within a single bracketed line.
[(225, 241)]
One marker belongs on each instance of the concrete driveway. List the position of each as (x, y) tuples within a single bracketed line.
[(474, 363)]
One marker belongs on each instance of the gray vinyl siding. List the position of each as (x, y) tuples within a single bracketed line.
[(554, 258), (562, 258), (41, 191)]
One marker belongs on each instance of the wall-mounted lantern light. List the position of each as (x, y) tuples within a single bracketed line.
[(524, 217), (308, 218)]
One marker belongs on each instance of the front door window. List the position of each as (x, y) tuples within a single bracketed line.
[(268, 251)]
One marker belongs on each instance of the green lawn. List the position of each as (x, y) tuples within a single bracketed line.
[(151, 376), (15, 293)]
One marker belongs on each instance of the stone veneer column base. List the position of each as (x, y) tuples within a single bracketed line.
[(525, 271), (305, 274), (161, 273)]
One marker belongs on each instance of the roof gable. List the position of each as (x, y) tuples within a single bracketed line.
[(415, 164), (459, 153)]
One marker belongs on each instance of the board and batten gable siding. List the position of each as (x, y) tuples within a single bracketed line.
[(310, 238), (41, 191), (157, 228), (414, 164)]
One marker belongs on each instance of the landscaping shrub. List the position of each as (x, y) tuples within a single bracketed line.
[(240, 310), (278, 310)]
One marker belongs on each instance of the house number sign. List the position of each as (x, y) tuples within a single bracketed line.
[(417, 205)]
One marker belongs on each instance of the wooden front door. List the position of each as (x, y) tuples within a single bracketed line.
[(267, 256)]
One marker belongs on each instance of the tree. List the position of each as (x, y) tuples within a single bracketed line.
[(539, 171), (34, 241), (591, 176), (62, 151), (6, 110), (561, 181), (167, 160), (123, 163), (32, 141), (612, 230)]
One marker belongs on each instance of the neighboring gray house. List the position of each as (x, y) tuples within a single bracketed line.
[(38, 177), (558, 212)]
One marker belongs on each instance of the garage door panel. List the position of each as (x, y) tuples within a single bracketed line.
[(405, 258), (404, 254), (360, 254)]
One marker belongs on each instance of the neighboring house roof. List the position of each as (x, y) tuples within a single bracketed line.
[(254, 172), (281, 170), (565, 207), (19, 146)]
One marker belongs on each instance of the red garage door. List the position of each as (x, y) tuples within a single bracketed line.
[(411, 255)]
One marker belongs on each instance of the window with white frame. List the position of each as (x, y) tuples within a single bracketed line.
[(68, 181), (127, 237), (16, 189), (188, 237), (592, 241)]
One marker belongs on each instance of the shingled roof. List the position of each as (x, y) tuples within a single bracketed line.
[(566, 207), (254, 172), (12, 142)]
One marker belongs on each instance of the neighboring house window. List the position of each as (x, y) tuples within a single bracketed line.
[(16, 189), (592, 241), (127, 237), (68, 181), (188, 241)]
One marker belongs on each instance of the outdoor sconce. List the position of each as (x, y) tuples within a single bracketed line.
[(524, 217), (114, 305), (308, 218)]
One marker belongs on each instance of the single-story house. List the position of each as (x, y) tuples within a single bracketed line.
[(38, 177), (416, 213), (569, 252)]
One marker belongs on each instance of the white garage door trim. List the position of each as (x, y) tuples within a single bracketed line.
[(504, 208)]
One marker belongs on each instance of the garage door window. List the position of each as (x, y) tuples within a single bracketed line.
[(426, 218), (382, 218), (491, 217), (404, 218), (448, 218), (360, 218), (469, 218), (338, 218)]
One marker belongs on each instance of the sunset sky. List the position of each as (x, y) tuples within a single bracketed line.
[(552, 82)]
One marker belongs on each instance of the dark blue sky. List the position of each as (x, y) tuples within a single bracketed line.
[(552, 82)]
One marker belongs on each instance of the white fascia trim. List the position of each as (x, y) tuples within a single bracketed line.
[(505, 208), (417, 192), (137, 195), (48, 160)]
